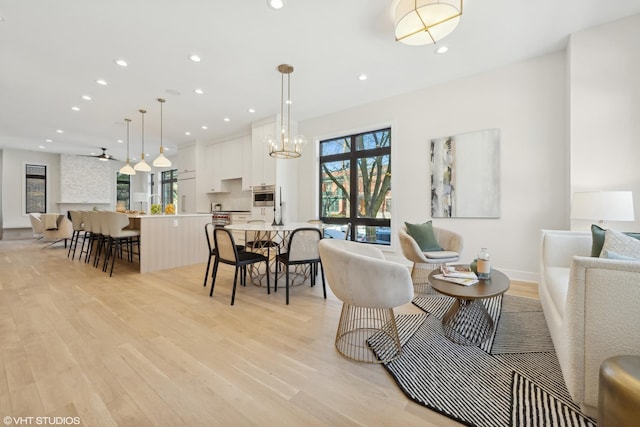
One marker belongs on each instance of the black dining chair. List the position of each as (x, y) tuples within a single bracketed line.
[(302, 249), (227, 253), (208, 231)]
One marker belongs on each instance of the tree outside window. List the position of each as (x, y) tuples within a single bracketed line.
[(355, 186), (35, 189), (123, 191), (169, 187)]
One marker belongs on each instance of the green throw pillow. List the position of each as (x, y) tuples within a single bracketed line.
[(597, 236), (424, 236)]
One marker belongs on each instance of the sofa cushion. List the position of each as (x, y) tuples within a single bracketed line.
[(557, 280), (424, 236), (440, 254), (621, 244), (597, 236), (614, 255)]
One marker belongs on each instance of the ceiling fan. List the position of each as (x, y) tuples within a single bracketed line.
[(103, 156)]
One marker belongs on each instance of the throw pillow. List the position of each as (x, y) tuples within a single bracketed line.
[(597, 236), (424, 236), (613, 255), (621, 244)]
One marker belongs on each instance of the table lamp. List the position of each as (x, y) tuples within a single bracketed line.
[(603, 206)]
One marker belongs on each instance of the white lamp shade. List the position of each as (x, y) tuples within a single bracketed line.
[(139, 197), (161, 161), (142, 166), (420, 22), (603, 205), (127, 169)]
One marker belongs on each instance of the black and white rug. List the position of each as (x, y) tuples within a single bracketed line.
[(513, 379)]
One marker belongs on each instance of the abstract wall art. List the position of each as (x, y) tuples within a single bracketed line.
[(465, 175)]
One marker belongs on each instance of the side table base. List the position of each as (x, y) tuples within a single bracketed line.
[(467, 322)]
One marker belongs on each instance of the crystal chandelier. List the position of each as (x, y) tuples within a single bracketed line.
[(284, 145)]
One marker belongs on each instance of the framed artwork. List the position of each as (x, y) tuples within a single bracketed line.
[(465, 175)]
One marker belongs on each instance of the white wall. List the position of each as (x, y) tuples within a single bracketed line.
[(605, 112), (526, 101), (13, 184)]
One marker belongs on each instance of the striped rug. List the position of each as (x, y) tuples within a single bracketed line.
[(513, 379)]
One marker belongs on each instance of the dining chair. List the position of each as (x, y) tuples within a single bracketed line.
[(302, 249), (259, 239), (227, 253), (208, 231)]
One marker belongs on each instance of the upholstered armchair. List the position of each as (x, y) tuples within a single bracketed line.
[(369, 287), (425, 261)]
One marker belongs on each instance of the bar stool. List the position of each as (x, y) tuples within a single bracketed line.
[(119, 234), (78, 232)]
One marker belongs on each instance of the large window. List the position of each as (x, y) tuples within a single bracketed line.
[(36, 188), (123, 190), (169, 187), (355, 186)]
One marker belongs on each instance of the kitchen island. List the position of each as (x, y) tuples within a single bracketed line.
[(168, 241)]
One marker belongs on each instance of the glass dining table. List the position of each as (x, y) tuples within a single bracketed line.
[(274, 238)]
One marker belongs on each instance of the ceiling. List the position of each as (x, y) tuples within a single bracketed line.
[(52, 53)]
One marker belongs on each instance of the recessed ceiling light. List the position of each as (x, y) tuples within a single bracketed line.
[(442, 49), (199, 91), (120, 141), (205, 127), (86, 97), (187, 133), (42, 147), (195, 58), (275, 4), (74, 108), (362, 77), (252, 110), (59, 131), (227, 119), (121, 62), (48, 140), (101, 82)]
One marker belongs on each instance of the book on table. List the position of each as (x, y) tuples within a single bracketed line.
[(459, 274), (456, 280)]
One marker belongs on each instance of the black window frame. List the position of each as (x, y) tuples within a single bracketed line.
[(168, 177), (123, 179), (352, 156), (30, 176)]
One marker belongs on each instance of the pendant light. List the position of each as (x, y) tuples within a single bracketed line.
[(142, 166), (161, 161), (127, 169), (284, 145)]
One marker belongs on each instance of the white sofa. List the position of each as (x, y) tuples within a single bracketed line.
[(592, 308)]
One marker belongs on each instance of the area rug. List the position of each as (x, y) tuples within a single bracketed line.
[(513, 379)]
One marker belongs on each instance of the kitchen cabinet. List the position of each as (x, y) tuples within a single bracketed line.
[(187, 159), (230, 161), (246, 163), (186, 195), (239, 218), (263, 166), (213, 184)]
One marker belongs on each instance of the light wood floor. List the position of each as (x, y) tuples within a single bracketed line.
[(154, 349)]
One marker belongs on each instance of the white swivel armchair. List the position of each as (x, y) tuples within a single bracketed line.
[(369, 287)]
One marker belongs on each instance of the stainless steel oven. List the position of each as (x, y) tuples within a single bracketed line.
[(264, 195)]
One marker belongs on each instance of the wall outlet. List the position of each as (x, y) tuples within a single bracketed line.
[(175, 222)]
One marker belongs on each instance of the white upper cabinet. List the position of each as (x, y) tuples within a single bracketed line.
[(263, 167), (213, 155), (231, 159)]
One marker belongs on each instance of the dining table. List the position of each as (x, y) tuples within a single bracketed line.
[(276, 238)]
